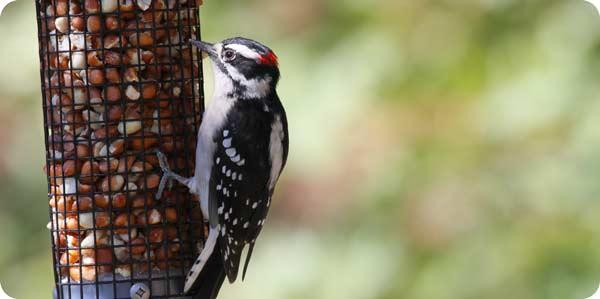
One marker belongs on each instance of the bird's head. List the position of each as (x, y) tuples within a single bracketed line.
[(243, 67)]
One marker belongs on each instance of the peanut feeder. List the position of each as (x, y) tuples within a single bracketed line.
[(120, 81)]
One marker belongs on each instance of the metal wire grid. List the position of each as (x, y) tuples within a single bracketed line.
[(88, 191)]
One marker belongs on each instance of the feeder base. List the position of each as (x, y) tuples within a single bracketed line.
[(111, 287)]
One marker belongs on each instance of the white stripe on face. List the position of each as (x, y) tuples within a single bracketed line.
[(244, 51), (218, 48), (256, 88)]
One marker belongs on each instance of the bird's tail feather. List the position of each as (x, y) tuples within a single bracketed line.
[(248, 256), (211, 277), (206, 276)]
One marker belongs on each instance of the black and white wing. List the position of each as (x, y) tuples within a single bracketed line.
[(239, 191)]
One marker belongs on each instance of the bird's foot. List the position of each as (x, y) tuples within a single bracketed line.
[(167, 174)]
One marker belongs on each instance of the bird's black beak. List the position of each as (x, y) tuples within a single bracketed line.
[(205, 47)]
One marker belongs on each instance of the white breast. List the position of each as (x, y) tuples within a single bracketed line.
[(212, 120), (276, 150)]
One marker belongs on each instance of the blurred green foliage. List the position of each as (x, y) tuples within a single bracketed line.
[(439, 149)]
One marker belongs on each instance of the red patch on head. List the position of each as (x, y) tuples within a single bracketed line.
[(269, 58)]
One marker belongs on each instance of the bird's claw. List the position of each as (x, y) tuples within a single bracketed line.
[(167, 174)]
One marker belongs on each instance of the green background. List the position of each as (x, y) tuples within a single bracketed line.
[(439, 149)]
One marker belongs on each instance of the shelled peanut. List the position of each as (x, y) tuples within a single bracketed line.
[(120, 81)]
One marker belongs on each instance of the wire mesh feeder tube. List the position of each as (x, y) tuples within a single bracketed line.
[(120, 81)]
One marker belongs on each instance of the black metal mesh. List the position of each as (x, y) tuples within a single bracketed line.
[(120, 81)]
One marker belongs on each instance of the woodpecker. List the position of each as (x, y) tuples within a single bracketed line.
[(241, 150)]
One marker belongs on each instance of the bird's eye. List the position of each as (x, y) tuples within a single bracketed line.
[(228, 55)]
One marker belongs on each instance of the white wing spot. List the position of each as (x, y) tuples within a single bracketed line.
[(227, 142), (224, 190), (248, 202), (219, 187), (246, 224), (234, 176), (240, 177), (223, 231), (235, 221), (220, 210), (242, 162), (218, 160), (224, 169), (236, 158), (254, 205), (226, 216), (228, 174), (230, 151), (225, 133)]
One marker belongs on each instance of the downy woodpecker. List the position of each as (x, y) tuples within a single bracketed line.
[(241, 151)]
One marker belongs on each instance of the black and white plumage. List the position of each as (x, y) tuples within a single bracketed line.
[(242, 149)]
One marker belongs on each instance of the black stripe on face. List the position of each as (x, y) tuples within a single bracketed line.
[(250, 68)]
